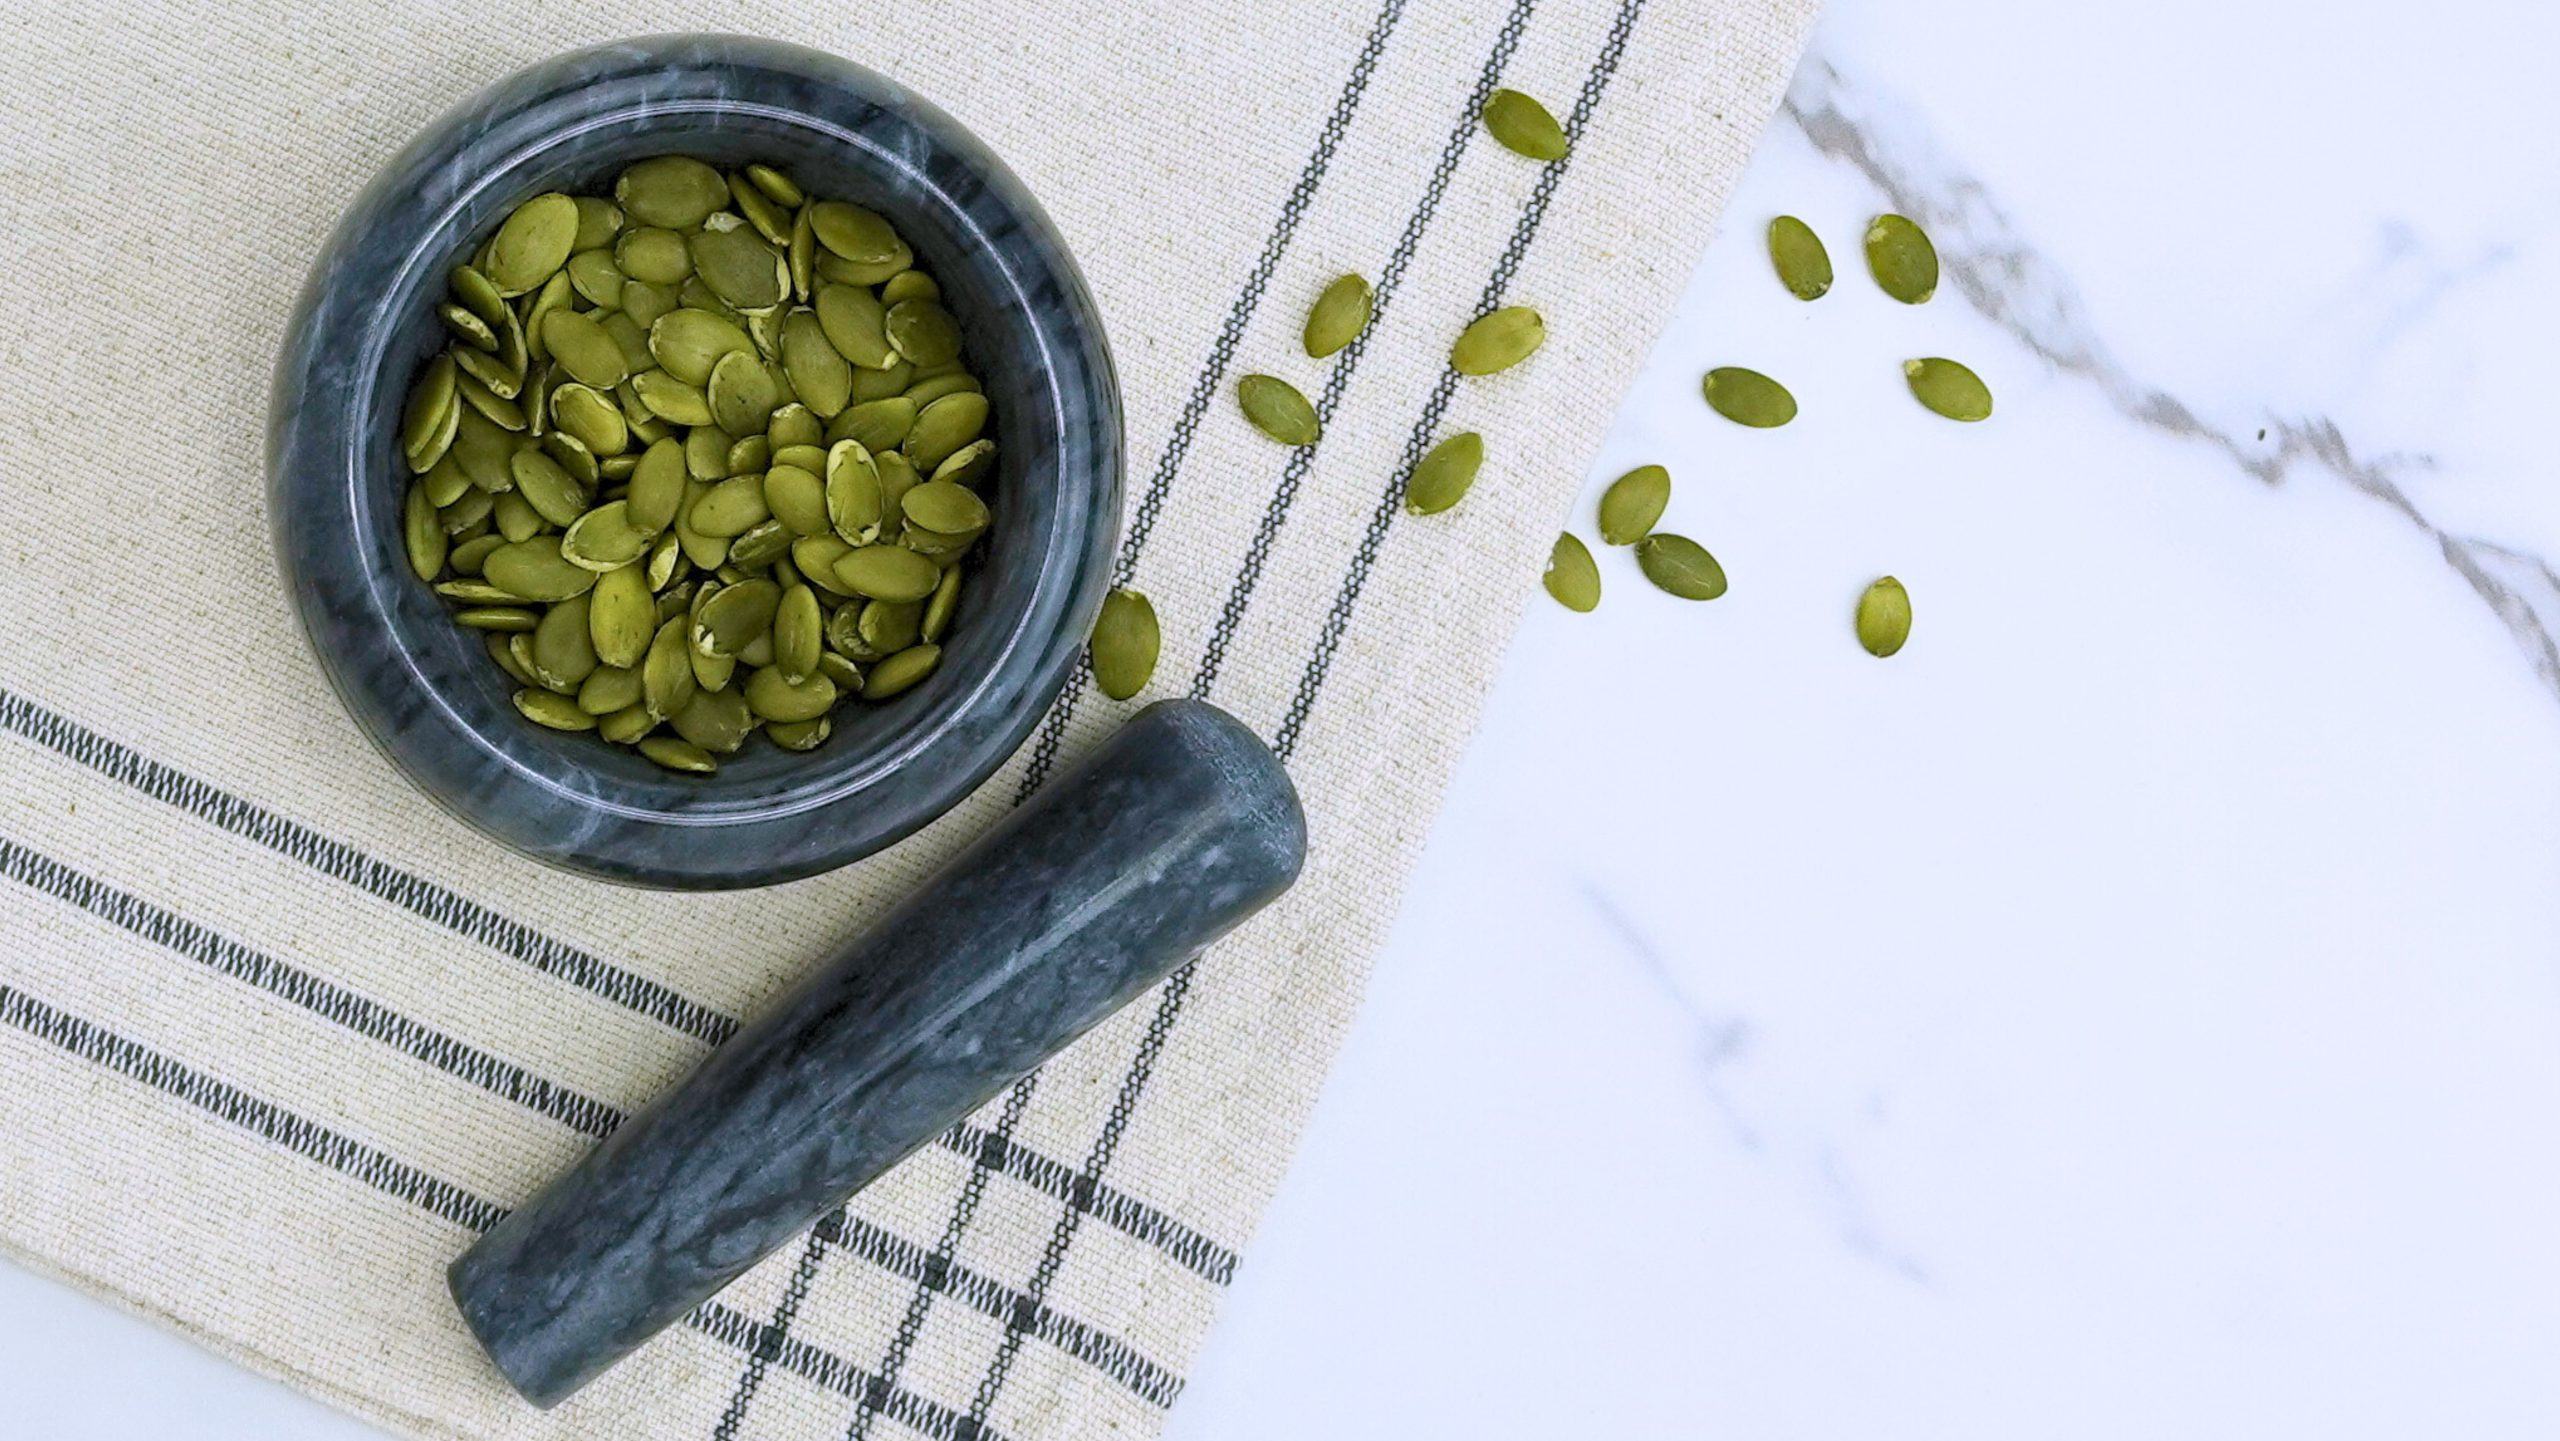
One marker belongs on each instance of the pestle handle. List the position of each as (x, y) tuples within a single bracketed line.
[(1172, 833)]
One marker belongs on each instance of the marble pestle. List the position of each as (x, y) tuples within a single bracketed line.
[(1169, 835)]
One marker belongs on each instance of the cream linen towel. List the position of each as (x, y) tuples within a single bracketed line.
[(277, 1035)]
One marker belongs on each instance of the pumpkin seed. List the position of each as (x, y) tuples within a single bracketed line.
[(776, 186), (926, 392), (805, 735), (1571, 575), (423, 533), (776, 697), (1340, 314), (838, 270), (801, 254), (657, 486), (1948, 388), (445, 482), (734, 616), (689, 342), (558, 712), (466, 556), (879, 424), (608, 689), (1884, 617), (901, 671), (815, 557), (644, 304), (621, 617), (857, 234), (856, 324), (472, 509), (846, 675), (885, 572), (1441, 478), (943, 427), (479, 295), (493, 407), (504, 619), (822, 378), (532, 243), (740, 268), (852, 491), (515, 517), (1277, 409), (764, 543), (1633, 504), (909, 285), (583, 347), (428, 426), (883, 383), (890, 626), (675, 191), (665, 560), (678, 755), (671, 399), (897, 477), (491, 371), (942, 607), (470, 329), (604, 539), (1680, 566), (625, 726), (564, 648), (476, 592), (1125, 643), (1498, 341), (1901, 258), (945, 509), (922, 332), (666, 673), (1523, 126), (599, 221), (593, 274), (799, 633), (730, 508), (536, 570), (742, 395), (548, 487), (573, 456), (590, 417), (1746, 397), (716, 720), (1803, 266), (793, 425)]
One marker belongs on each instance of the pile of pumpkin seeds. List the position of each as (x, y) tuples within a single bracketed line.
[(1905, 266), (703, 458)]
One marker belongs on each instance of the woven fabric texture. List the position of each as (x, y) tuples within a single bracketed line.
[(278, 1037)]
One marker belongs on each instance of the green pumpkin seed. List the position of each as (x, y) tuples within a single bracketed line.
[(1523, 126), (801, 254), (491, 371), (852, 491), (573, 456), (470, 329), (536, 570), (428, 425), (657, 486), (880, 424), (626, 726), (771, 221), (799, 634), (666, 673), (1746, 397), (939, 611), (423, 534), (776, 697), (943, 427), (556, 294), (1948, 388), (564, 649), (493, 407), (1441, 478), (734, 616), (926, 392), (909, 285), (1340, 314), (598, 222), (679, 755), (645, 305), (945, 509), (815, 557), (890, 626), (472, 509), (675, 191), (665, 561), (1633, 504), (765, 543), (558, 712), (503, 619), (1680, 566), (901, 672), (884, 572), (621, 617), (740, 268), (476, 592), (730, 509), (706, 453), (1803, 266), (1125, 643), (609, 689), (1498, 341), (742, 395), (704, 551), (716, 720), (593, 275), (837, 270), (466, 555), (797, 498), (1902, 260), (1571, 576), (846, 675), (590, 417), (553, 493), (585, 349), (1277, 409), (776, 186), (533, 243), (821, 378), (855, 323), (871, 385), (793, 425), (445, 481), (1884, 617), (897, 477), (805, 735), (515, 516), (857, 234), (496, 644), (479, 295), (604, 539), (671, 399), (923, 332), (689, 342)]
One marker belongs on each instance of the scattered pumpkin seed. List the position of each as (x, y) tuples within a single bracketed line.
[(1125, 643), (1949, 388), (1633, 504), (1442, 477), (1746, 397), (1498, 341), (1340, 314), (1903, 261), (1884, 617), (1571, 575), (1680, 566), (1803, 266), (1278, 410), (1523, 126)]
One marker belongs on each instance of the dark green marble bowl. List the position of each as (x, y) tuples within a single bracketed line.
[(423, 688)]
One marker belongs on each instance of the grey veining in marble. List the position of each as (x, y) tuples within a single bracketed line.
[(1168, 836), (422, 688)]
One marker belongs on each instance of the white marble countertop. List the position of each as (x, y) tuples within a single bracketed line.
[(2134, 1010)]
